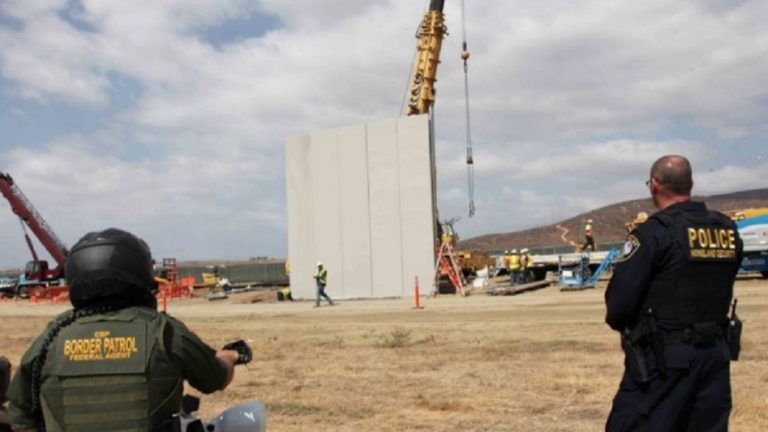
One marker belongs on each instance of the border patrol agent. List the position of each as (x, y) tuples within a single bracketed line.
[(669, 297), (113, 362)]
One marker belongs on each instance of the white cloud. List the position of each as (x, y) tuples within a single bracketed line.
[(46, 59), (568, 98), (730, 178)]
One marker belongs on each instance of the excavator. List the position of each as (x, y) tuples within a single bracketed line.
[(38, 276)]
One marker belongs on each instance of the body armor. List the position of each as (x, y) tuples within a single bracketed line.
[(111, 372), (697, 289)]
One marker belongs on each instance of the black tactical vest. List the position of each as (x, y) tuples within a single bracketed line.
[(701, 289), (110, 373)]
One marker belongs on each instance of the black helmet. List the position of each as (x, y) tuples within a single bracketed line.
[(112, 267)]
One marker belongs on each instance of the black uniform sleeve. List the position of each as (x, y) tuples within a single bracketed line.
[(631, 277), (20, 390), (198, 361)]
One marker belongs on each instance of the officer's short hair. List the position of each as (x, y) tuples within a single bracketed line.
[(674, 173)]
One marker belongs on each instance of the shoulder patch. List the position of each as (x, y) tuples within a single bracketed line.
[(630, 247)]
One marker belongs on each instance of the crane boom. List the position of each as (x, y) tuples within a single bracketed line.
[(24, 209), (421, 90)]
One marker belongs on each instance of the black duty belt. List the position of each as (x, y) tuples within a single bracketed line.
[(698, 334)]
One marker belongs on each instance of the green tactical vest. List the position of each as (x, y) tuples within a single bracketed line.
[(110, 373)]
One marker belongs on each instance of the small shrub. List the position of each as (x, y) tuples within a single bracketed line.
[(398, 338)]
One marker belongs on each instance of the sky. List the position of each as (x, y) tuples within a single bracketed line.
[(168, 118)]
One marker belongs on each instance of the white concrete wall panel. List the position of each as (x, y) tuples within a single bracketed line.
[(326, 203), (355, 215), (360, 200), (416, 214), (384, 189), (301, 236)]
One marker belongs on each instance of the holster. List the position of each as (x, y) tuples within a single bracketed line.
[(733, 336), (637, 364)]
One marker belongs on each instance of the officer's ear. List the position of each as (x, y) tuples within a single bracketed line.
[(654, 185)]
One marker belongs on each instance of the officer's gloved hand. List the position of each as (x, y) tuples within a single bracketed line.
[(245, 354)]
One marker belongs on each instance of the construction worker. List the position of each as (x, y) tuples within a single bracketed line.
[(284, 294), (589, 240), (321, 280), (523, 260), (502, 261), (527, 265), (514, 267), (114, 362)]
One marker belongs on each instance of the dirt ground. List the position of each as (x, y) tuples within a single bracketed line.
[(539, 361)]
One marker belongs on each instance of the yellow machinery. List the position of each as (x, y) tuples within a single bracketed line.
[(468, 261), (640, 218), (421, 88), (210, 279), (738, 215), (421, 91)]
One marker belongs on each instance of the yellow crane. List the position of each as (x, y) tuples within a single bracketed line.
[(421, 92), (421, 89)]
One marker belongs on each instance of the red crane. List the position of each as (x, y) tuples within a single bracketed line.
[(37, 272)]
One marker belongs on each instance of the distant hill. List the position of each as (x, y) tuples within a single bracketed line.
[(609, 223)]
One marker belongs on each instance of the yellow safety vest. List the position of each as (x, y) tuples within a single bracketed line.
[(514, 262)]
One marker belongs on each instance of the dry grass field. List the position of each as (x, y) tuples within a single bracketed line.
[(540, 361)]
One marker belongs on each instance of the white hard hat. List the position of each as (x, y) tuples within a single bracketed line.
[(514, 250), (524, 250), (589, 220), (319, 263)]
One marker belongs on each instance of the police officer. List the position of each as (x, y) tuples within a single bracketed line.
[(113, 362), (669, 297)]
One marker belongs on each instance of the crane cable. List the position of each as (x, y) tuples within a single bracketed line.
[(470, 159)]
